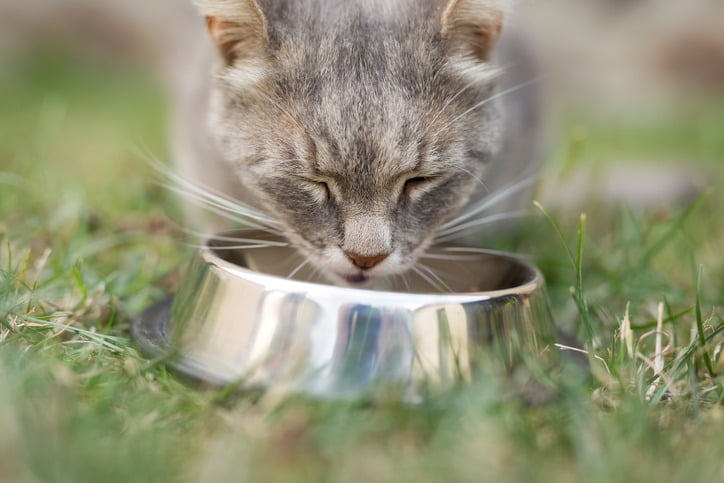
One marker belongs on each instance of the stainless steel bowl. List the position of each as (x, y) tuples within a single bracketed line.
[(239, 319)]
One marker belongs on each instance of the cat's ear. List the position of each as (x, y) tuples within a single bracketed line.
[(473, 26), (237, 27)]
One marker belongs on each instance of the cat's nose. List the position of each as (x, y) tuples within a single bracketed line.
[(365, 263)]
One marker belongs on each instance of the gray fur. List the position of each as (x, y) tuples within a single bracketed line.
[(323, 129)]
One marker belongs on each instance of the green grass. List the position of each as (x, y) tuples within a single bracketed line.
[(84, 246)]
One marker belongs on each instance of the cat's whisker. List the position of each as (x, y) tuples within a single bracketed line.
[(490, 201), (250, 241), (451, 258), (224, 211), (474, 176), (270, 243), (316, 275), (298, 269), (218, 201), (455, 231), (263, 222), (453, 98), (465, 249), (261, 244), (232, 247), (490, 99), (204, 238), (227, 215), (232, 239), (426, 278), (240, 220), (167, 172), (405, 281), (204, 195), (435, 276)]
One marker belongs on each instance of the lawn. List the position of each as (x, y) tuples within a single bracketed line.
[(87, 240)]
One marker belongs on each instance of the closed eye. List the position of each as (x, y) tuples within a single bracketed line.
[(325, 187), (321, 188), (414, 184)]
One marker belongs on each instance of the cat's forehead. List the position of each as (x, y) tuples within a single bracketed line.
[(362, 90), (371, 89), (354, 46), (374, 152)]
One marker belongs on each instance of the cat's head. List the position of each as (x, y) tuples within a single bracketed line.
[(360, 126)]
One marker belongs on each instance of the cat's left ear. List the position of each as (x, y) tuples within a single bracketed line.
[(237, 27), (473, 26)]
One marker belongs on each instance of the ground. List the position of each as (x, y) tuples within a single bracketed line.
[(88, 240)]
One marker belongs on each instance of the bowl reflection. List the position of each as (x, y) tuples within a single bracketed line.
[(237, 319)]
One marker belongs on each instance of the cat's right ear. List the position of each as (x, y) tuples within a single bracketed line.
[(237, 27)]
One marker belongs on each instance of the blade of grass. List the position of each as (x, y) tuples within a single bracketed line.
[(580, 298), (679, 363), (104, 340), (80, 285), (557, 229), (700, 324), (671, 318), (672, 229), (577, 261)]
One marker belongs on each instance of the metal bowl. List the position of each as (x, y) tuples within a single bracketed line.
[(239, 319)]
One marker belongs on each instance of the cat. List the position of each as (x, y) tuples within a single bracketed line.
[(363, 131)]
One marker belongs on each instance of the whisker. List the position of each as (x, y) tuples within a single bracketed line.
[(426, 278), (164, 170), (207, 237), (222, 238), (218, 202), (453, 98), (477, 223), (316, 275), (298, 269), (482, 251), (432, 273), (491, 201), (270, 243), (472, 175), (232, 217), (234, 247), (492, 98), (203, 194), (261, 244), (452, 258), (406, 281), (224, 211)]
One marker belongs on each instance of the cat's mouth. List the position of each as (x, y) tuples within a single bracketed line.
[(357, 279)]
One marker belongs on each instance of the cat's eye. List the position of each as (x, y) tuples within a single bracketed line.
[(325, 192), (412, 184), (325, 187), (319, 189)]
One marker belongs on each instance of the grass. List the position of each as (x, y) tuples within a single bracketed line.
[(84, 246)]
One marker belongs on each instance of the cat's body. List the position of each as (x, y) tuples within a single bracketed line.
[(360, 127)]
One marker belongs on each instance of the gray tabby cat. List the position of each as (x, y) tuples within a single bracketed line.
[(362, 130)]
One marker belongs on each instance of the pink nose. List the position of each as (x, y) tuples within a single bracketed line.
[(365, 263)]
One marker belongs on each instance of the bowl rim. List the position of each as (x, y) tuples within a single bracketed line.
[(536, 281)]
